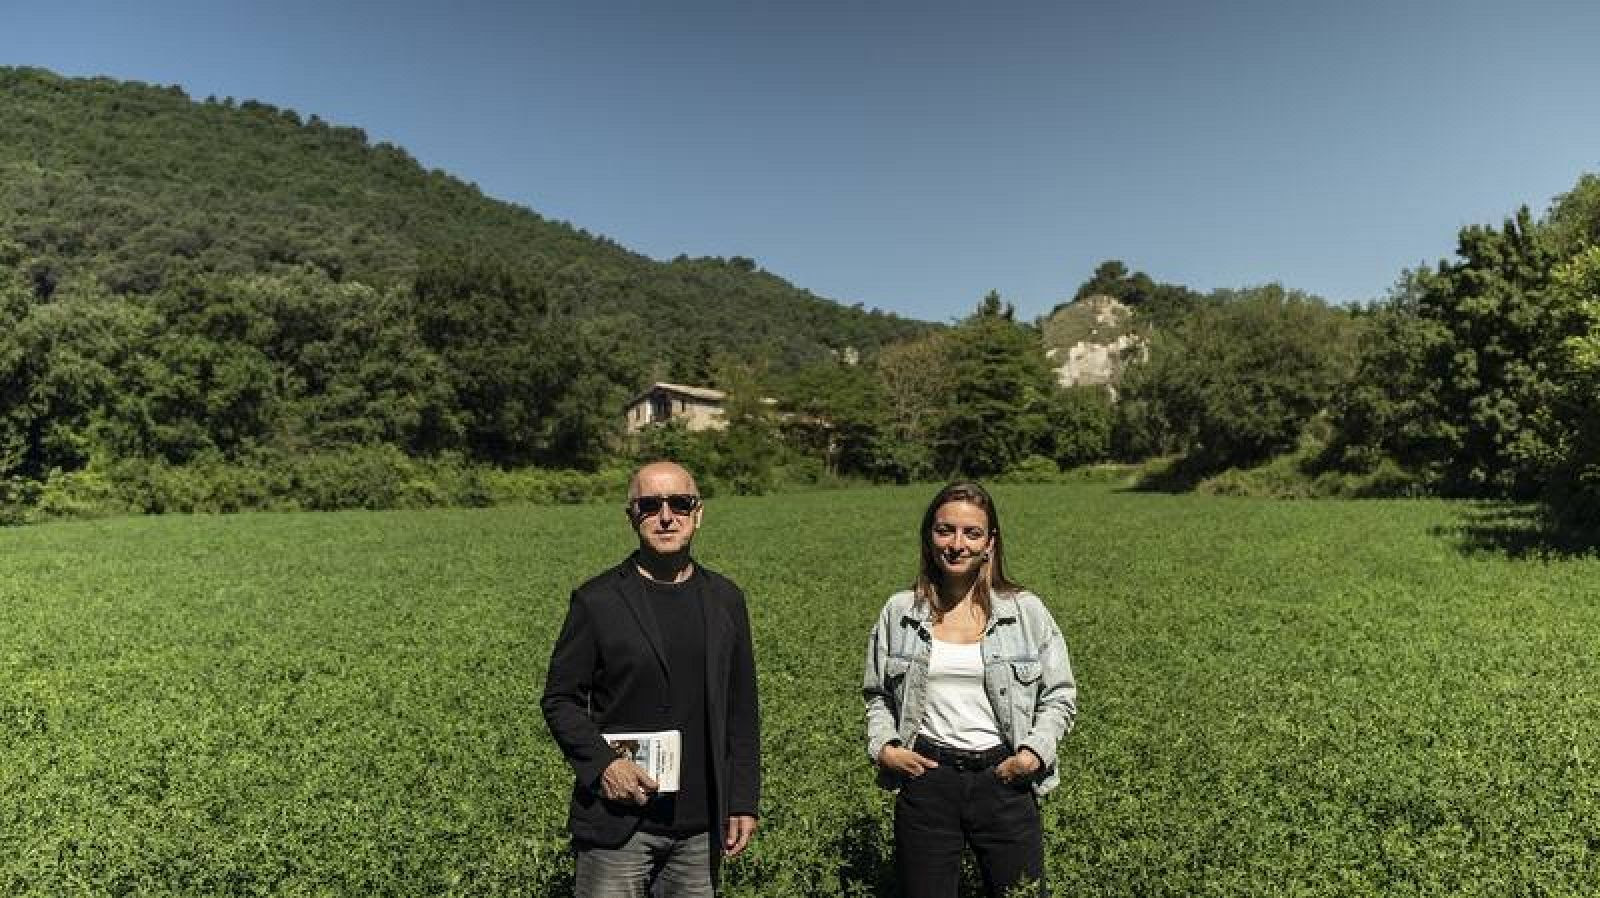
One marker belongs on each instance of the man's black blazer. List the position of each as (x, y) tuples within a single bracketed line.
[(608, 673)]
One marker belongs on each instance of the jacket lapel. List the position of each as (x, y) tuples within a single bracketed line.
[(716, 636), (632, 591), (1003, 610)]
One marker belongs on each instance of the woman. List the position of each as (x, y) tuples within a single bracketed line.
[(968, 689)]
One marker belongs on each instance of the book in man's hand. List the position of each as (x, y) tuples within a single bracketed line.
[(658, 753)]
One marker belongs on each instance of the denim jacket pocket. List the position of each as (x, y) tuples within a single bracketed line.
[(895, 667), (1027, 672)]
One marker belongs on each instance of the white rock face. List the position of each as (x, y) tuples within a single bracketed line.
[(1097, 363), (1100, 360), (1108, 312)]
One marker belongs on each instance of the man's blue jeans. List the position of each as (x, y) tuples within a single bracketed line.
[(647, 866)]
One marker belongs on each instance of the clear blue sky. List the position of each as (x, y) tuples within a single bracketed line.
[(913, 155)]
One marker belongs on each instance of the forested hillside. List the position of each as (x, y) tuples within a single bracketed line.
[(184, 280), (135, 187)]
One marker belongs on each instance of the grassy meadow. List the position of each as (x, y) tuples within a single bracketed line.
[(1277, 698)]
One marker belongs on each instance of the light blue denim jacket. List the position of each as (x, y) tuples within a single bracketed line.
[(1026, 674)]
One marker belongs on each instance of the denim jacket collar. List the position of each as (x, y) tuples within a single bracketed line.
[(1002, 609)]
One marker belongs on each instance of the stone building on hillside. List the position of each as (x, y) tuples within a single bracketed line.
[(700, 408)]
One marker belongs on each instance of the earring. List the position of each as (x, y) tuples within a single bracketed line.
[(985, 555)]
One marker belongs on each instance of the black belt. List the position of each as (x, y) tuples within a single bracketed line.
[(961, 758)]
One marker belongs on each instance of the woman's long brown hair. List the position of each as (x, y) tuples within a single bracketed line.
[(991, 577)]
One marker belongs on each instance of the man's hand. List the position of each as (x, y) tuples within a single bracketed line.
[(740, 828), (626, 782), (904, 761), (1019, 766)]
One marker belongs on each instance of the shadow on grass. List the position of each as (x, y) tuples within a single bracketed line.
[(1180, 475), (1518, 530)]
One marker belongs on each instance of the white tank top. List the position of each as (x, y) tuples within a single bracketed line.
[(957, 710)]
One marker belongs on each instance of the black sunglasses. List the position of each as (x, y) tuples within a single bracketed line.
[(680, 503)]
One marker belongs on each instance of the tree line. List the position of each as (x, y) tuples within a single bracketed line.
[(291, 314), (1476, 377)]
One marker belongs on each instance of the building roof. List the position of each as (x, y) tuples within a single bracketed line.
[(705, 393)]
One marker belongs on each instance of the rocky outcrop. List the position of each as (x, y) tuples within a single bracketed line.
[(1091, 341)]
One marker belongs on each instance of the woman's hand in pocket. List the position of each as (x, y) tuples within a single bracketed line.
[(904, 761)]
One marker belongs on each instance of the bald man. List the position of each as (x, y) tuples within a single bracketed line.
[(657, 643)]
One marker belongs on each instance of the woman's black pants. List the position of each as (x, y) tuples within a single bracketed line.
[(945, 808)]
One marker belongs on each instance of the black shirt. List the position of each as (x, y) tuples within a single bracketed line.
[(680, 619)]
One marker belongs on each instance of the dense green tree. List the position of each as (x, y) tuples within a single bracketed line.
[(510, 352), (597, 367), (1155, 304), (193, 395), (19, 452), (992, 394), (1573, 487), (1572, 225), (1461, 385), (1079, 425), (1111, 278), (61, 377), (350, 365), (914, 376), (1239, 378), (839, 413), (750, 447), (1390, 405)]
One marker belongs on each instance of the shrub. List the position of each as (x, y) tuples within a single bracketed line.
[(1033, 469), (369, 477)]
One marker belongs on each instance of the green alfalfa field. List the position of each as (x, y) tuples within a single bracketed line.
[(1278, 698)]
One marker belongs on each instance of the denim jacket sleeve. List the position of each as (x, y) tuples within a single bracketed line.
[(1056, 704), (876, 688)]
